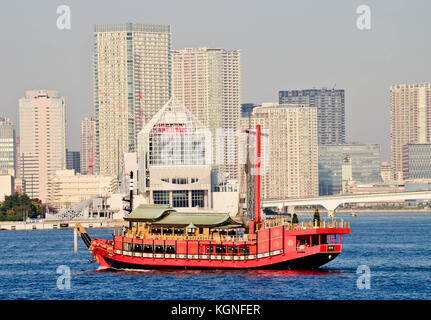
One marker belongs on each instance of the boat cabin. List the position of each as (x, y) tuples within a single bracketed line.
[(165, 223)]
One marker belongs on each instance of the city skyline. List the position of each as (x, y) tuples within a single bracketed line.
[(362, 64)]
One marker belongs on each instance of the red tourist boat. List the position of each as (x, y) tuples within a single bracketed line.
[(160, 237)]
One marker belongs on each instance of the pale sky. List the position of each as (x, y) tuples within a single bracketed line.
[(284, 45)]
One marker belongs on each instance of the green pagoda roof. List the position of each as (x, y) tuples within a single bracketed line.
[(162, 215), (148, 212)]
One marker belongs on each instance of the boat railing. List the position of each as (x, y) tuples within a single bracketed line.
[(288, 225), (141, 235), (269, 223), (199, 238)]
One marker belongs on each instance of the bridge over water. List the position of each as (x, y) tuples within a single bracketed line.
[(331, 203)]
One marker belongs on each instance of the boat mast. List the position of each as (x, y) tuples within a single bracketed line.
[(257, 207)]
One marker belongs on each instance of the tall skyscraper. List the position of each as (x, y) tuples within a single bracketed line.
[(7, 147), (330, 111), (73, 160), (410, 119), (88, 145), (131, 83), (289, 156), (43, 140), (207, 82)]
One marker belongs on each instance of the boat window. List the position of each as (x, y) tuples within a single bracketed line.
[(170, 249), (220, 249), (209, 249), (156, 230), (244, 250), (138, 248), (148, 249), (232, 250), (323, 239), (127, 246), (167, 231), (159, 249), (178, 231)]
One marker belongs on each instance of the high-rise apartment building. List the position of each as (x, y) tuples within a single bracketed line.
[(410, 119), (289, 150), (7, 147), (330, 111), (88, 145), (131, 83), (42, 140), (207, 82)]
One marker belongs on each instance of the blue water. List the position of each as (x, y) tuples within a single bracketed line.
[(396, 248)]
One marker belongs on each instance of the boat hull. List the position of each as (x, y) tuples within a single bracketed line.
[(313, 261)]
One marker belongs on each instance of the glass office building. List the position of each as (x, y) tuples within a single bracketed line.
[(417, 161), (365, 165)]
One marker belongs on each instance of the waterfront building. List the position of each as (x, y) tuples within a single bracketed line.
[(417, 161), (410, 119), (289, 150), (132, 72), (207, 82), (365, 165), (42, 140), (386, 172), (330, 111), (7, 186), (175, 157), (88, 145), (67, 188), (7, 147), (73, 160)]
